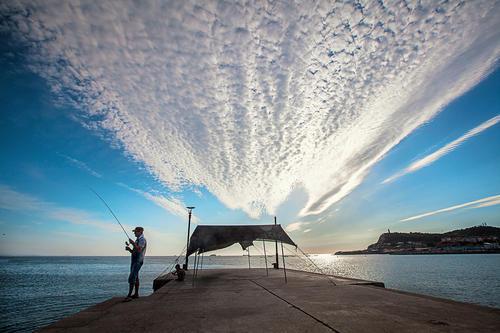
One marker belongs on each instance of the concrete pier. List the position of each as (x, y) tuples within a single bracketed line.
[(243, 300)]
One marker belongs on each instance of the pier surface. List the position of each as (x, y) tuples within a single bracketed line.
[(243, 300)]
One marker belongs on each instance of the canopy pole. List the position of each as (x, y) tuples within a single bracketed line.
[(248, 251), (277, 266), (202, 256), (198, 263), (283, 256), (265, 256), (194, 267)]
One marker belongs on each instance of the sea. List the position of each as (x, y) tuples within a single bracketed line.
[(37, 291)]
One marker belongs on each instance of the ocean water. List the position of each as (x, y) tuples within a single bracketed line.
[(36, 291)]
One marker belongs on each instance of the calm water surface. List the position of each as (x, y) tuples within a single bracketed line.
[(36, 291)]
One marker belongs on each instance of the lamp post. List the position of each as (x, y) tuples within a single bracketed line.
[(190, 209)]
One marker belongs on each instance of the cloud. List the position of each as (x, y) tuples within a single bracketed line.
[(160, 242), (72, 235), (252, 100), (485, 202), (488, 203), (431, 158), (296, 226), (172, 205), (81, 165), (17, 201)]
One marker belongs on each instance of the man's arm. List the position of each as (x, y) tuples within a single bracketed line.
[(136, 246)]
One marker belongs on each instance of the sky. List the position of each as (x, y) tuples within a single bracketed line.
[(343, 119)]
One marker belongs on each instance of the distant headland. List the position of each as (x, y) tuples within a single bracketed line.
[(479, 239)]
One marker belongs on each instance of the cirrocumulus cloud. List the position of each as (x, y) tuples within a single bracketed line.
[(254, 99)]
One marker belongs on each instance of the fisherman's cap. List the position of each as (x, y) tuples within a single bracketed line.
[(140, 229)]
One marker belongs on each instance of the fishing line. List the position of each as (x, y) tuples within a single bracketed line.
[(262, 254), (128, 237), (176, 261), (317, 267)]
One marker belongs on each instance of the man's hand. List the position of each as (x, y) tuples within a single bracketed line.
[(128, 249), (134, 245)]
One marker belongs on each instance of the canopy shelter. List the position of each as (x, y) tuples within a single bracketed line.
[(207, 238)]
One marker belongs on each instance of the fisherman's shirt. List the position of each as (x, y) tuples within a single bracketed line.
[(142, 243)]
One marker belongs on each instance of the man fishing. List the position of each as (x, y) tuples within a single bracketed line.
[(138, 251), (179, 272)]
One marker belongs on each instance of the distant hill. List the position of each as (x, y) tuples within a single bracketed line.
[(475, 231), (473, 239), (387, 239)]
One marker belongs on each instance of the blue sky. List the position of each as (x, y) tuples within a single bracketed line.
[(245, 114)]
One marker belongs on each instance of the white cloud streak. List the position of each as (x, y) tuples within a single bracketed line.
[(488, 203), (485, 202), (431, 158), (172, 205), (20, 202), (296, 226), (252, 100), (83, 166), (160, 242)]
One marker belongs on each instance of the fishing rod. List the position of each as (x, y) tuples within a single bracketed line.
[(128, 237)]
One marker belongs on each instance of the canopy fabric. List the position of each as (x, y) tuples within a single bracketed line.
[(207, 238)]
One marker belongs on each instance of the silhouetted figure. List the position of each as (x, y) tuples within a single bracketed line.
[(179, 272), (138, 252)]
